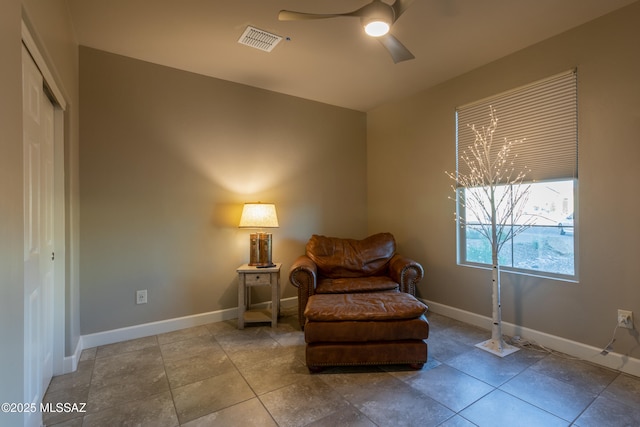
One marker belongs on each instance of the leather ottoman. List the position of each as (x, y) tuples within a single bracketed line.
[(365, 329)]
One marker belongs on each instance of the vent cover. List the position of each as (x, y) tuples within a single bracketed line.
[(259, 39)]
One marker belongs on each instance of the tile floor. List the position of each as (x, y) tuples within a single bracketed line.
[(217, 375)]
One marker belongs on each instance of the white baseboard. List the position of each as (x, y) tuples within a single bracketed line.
[(617, 361), (70, 363), (585, 352)]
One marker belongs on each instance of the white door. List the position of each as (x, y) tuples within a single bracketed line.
[(38, 138)]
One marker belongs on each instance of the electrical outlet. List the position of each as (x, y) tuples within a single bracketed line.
[(625, 319), (141, 297)]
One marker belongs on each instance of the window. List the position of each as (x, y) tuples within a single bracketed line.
[(542, 119)]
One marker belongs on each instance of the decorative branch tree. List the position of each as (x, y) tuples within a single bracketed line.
[(491, 199)]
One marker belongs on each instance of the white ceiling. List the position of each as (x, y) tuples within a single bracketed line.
[(332, 60)]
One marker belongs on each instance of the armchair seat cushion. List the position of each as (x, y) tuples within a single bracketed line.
[(356, 284), (379, 306)]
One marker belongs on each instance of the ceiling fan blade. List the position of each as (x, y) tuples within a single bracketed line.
[(399, 6), (396, 49), (288, 15)]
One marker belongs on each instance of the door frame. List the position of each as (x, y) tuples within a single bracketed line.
[(60, 262)]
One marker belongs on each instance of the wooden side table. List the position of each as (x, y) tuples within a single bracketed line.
[(250, 276)]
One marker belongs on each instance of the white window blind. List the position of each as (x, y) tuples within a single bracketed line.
[(543, 113)]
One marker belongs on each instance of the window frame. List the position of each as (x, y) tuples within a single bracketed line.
[(462, 246)]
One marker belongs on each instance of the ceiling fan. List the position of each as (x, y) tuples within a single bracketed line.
[(376, 18)]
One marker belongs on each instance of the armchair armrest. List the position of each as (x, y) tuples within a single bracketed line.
[(406, 272), (302, 275)]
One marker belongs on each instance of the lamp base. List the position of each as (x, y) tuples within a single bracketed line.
[(260, 250), (265, 265)]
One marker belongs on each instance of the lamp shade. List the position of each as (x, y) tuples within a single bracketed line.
[(259, 215)]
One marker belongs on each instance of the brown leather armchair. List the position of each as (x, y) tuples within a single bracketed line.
[(334, 265)]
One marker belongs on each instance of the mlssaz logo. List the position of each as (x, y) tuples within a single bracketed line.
[(61, 407)]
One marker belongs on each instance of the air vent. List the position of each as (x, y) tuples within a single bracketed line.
[(259, 39)]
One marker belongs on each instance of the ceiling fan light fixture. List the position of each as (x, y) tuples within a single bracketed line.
[(376, 28), (377, 18)]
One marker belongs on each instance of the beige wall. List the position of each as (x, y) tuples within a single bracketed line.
[(11, 220), (166, 162), (415, 140)]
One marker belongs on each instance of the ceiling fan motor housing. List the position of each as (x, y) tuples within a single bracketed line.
[(376, 18)]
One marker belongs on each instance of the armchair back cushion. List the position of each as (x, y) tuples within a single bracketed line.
[(339, 258)]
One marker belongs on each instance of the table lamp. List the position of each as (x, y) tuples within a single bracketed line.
[(259, 215)]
